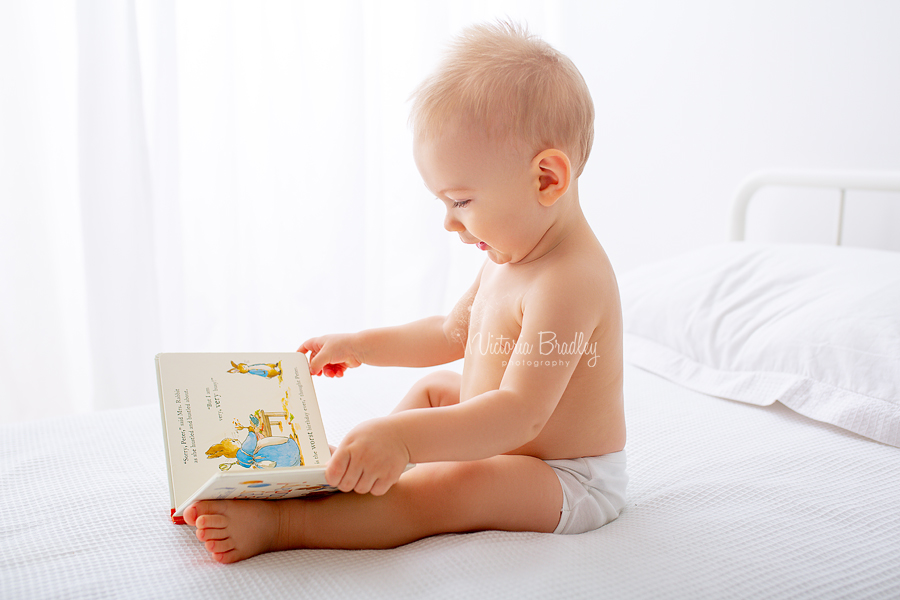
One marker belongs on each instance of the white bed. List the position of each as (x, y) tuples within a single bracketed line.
[(732, 495)]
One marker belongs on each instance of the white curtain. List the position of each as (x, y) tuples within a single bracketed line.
[(215, 175), (210, 176)]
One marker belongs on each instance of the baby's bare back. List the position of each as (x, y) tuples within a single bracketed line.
[(552, 325)]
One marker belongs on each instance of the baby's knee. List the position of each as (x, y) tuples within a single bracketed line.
[(441, 387)]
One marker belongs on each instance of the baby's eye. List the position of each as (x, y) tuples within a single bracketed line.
[(460, 203)]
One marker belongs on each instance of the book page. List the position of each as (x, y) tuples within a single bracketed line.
[(238, 414)]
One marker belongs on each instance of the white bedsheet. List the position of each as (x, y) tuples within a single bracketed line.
[(726, 500)]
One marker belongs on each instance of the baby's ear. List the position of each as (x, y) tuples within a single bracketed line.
[(554, 173)]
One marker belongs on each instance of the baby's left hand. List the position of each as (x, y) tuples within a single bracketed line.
[(369, 460)]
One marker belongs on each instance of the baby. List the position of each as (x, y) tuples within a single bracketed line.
[(530, 437)]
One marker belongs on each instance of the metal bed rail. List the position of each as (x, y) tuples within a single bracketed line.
[(887, 181)]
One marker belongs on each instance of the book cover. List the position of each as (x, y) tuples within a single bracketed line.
[(240, 426)]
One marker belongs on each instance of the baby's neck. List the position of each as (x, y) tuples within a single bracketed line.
[(569, 221)]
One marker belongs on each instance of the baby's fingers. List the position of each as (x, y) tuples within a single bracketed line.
[(381, 487), (337, 468), (368, 483), (333, 370), (310, 345), (318, 361)]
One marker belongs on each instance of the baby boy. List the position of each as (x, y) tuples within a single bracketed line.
[(530, 437)]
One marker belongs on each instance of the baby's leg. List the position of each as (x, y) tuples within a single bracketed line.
[(513, 493), (440, 388)]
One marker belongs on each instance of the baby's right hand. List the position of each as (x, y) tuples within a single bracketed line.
[(330, 355)]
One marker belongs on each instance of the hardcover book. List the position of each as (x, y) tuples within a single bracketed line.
[(240, 426)]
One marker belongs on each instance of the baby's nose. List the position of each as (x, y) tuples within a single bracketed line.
[(451, 223)]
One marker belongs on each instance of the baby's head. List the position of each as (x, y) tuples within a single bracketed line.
[(512, 87)]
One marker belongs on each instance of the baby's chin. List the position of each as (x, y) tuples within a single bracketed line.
[(493, 254), (497, 257)]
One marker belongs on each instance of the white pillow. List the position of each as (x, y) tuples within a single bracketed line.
[(815, 327)]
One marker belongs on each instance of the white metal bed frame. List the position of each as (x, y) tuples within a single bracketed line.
[(887, 181)]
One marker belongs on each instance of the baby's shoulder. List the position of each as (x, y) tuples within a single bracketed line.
[(584, 269), (570, 288)]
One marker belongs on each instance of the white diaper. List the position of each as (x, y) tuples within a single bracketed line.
[(593, 491)]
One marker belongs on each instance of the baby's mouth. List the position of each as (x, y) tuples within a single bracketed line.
[(482, 246)]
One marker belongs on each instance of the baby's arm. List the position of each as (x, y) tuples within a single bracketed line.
[(503, 419), (494, 422), (424, 343), (417, 344)]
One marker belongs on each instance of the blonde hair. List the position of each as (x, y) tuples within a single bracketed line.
[(503, 81)]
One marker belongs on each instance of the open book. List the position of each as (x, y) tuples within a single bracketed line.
[(240, 426)]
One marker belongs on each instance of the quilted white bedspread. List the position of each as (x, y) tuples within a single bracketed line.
[(726, 500)]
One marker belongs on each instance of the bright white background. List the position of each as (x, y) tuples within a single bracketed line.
[(214, 175)]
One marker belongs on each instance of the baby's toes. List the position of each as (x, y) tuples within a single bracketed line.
[(190, 515), (207, 507), (205, 534), (219, 546), (211, 522)]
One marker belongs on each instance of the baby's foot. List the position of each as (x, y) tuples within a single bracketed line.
[(232, 530)]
